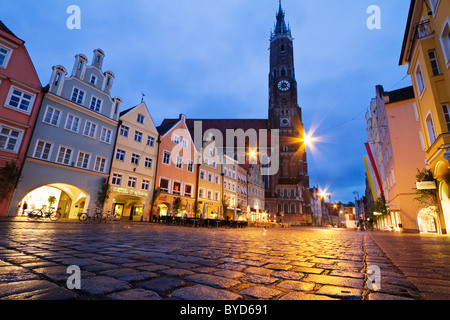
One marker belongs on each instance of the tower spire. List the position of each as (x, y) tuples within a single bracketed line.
[(280, 27)]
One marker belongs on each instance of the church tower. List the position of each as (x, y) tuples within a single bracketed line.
[(288, 191)]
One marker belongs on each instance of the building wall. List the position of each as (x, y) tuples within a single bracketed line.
[(16, 71)]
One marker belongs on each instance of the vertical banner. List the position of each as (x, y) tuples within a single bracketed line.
[(369, 178), (375, 170)]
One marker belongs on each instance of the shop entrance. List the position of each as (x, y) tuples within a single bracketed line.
[(66, 199), (427, 220)]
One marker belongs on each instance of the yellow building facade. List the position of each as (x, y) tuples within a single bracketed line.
[(426, 51), (133, 170)]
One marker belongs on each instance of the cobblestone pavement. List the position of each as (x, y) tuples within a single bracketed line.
[(140, 261)]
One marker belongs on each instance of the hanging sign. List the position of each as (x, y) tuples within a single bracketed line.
[(426, 185)]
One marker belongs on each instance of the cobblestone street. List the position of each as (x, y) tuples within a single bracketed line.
[(132, 261)]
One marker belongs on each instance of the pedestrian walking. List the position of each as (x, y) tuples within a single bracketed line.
[(361, 222)]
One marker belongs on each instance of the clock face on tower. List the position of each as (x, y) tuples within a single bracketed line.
[(285, 122), (284, 85)]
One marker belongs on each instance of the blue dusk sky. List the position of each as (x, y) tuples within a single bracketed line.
[(210, 59)]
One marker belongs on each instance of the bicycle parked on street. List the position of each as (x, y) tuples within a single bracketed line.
[(91, 215), (108, 215), (43, 213)]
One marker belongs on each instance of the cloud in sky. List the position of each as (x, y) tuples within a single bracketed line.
[(210, 59)]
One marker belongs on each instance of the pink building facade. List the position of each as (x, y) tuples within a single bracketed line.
[(20, 100)]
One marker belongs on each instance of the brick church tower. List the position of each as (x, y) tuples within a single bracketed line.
[(287, 193)]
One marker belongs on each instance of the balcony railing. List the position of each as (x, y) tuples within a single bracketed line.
[(421, 30)]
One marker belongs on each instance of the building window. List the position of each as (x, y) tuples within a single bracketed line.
[(217, 179), (190, 167), (124, 130), (138, 136), (93, 80), (446, 111), (445, 41), (166, 157), (78, 96), (120, 154), (176, 188), (419, 79), (100, 164), (176, 139), (184, 143), (188, 190), (43, 150), (83, 160), (72, 123), (96, 104), (431, 131), (52, 116), (106, 135), (132, 182), (210, 177), (201, 193), (116, 179), (140, 118), (210, 195), (90, 129), (135, 159), (20, 100), (64, 155), (148, 163), (164, 185), (150, 141), (202, 174), (145, 185), (434, 62), (217, 196), (179, 164), (10, 139), (5, 54)]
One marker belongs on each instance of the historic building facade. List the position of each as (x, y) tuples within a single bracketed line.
[(69, 157), (426, 51), (20, 99), (133, 170)]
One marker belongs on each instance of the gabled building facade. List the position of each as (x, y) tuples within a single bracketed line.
[(70, 152), (426, 51), (133, 170), (20, 98)]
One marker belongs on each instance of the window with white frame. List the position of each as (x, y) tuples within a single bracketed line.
[(124, 130), (434, 62), (150, 141), (431, 131), (188, 190), (434, 4), (210, 177), (138, 136), (140, 118), (184, 143), (72, 123), (43, 150), (78, 96), (179, 163), (176, 189), (100, 164), (64, 155), (217, 196), (120, 154), (201, 193), (83, 160), (96, 104), (116, 179), (190, 167), (132, 182), (419, 79), (202, 175), (164, 184), (166, 157), (135, 159), (445, 41), (90, 129), (148, 163), (217, 179), (145, 185), (106, 135), (20, 100), (10, 138), (5, 55), (93, 80), (52, 116), (210, 195), (446, 111), (176, 139)]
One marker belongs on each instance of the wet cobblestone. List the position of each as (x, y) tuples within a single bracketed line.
[(132, 261)]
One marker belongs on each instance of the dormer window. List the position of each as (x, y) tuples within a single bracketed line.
[(140, 118), (5, 54), (93, 80)]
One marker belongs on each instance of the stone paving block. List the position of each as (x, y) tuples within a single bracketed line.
[(11, 288), (162, 284), (304, 296), (100, 266), (153, 268), (229, 274), (384, 296), (59, 273), (296, 285), (139, 276), (284, 267), (288, 275), (52, 294), (258, 279), (308, 270), (333, 280), (340, 292), (260, 271), (261, 292), (348, 274), (202, 292), (177, 272), (134, 294), (213, 281), (100, 285)]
